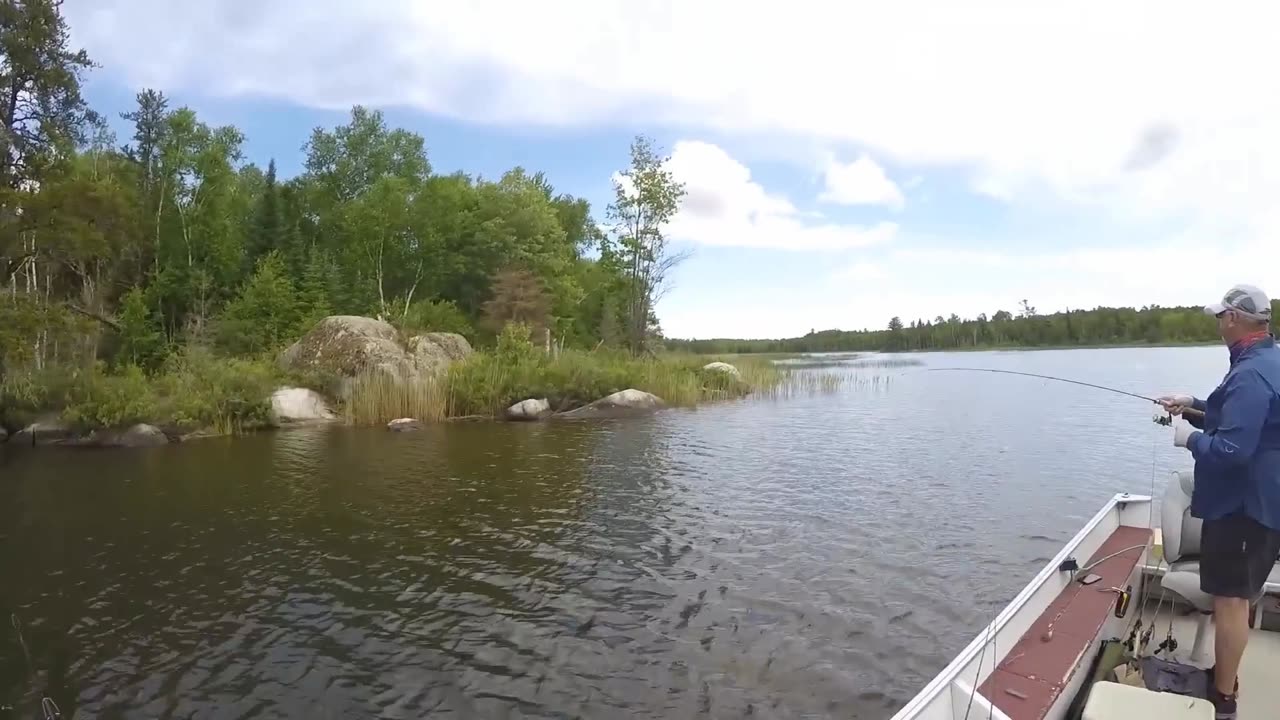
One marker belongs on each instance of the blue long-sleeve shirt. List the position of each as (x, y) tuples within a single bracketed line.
[(1238, 451)]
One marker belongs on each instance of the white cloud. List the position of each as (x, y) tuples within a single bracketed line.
[(1096, 105), (724, 206), (1098, 101), (861, 182), (861, 271)]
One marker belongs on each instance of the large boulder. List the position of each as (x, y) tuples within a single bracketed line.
[(723, 367), (531, 409), (433, 352), (623, 402), (345, 346), (348, 345), (299, 405)]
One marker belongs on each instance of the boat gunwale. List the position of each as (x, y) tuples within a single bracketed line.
[(947, 677)]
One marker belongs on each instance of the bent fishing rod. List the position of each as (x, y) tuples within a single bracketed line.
[(1185, 411)]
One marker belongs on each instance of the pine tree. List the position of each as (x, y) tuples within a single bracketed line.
[(265, 314), (315, 292), (268, 222), (141, 342)]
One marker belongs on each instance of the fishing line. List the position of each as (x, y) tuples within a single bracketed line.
[(1060, 379), (48, 708)]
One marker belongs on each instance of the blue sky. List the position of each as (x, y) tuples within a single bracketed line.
[(845, 162)]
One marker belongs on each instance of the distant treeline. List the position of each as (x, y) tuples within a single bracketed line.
[(1028, 329)]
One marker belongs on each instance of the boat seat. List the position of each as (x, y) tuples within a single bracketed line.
[(1181, 548), (1113, 701), (1181, 534)]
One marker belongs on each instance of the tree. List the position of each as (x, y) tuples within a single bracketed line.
[(316, 290), (266, 234), (42, 112), (646, 197), (141, 342), (265, 314), (518, 297)]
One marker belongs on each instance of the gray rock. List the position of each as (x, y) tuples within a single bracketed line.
[(531, 409), (299, 405), (45, 432), (344, 346), (434, 352), (404, 425), (722, 367), (621, 403), (141, 435)]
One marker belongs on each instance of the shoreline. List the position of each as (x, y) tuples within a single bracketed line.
[(788, 354)]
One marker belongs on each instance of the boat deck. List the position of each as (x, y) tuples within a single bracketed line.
[(1259, 674)]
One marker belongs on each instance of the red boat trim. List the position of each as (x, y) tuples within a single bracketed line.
[(1033, 674)]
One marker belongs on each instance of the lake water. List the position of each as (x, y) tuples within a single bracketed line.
[(818, 557)]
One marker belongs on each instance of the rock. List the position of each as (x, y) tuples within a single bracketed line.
[(623, 402), (404, 425), (434, 352), (45, 432), (348, 345), (530, 409), (295, 405), (141, 435), (344, 346), (722, 367)]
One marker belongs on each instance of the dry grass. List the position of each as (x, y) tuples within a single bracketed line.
[(486, 384)]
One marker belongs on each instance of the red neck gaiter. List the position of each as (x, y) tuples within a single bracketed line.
[(1247, 342)]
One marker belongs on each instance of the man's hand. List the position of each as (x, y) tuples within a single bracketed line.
[(1175, 404), (1182, 433)]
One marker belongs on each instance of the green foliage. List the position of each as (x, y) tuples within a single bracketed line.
[(41, 108), (1102, 326), (116, 400), (646, 197), (141, 342), (265, 315), (197, 390), (515, 345), (427, 316)]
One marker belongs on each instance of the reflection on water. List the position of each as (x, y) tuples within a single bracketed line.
[(809, 557)]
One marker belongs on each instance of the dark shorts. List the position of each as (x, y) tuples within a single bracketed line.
[(1237, 554)]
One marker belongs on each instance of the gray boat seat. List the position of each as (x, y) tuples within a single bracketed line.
[(1181, 543), (1180, 535)]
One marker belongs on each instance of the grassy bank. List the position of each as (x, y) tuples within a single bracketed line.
[(487, 383), (195, 390), (192, 391)]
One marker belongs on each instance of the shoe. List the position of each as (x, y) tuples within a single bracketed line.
[(1224, 706)]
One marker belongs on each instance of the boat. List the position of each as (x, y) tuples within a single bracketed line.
[(1132, 643)]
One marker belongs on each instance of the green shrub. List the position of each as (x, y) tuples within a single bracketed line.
[(436, 316), (99, 399), (229, 395)]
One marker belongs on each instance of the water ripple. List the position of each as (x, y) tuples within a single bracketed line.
[(816, 557)]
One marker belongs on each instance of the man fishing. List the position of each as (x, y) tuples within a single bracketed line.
[(1236, 446)]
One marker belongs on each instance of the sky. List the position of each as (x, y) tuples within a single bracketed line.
[(844, 162)]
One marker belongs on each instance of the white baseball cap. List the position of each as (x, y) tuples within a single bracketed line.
[(1244, 299)]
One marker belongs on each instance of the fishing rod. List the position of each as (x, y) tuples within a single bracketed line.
[(1185, 411)]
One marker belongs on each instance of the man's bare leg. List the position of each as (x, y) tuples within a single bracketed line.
[(1231, 634)]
